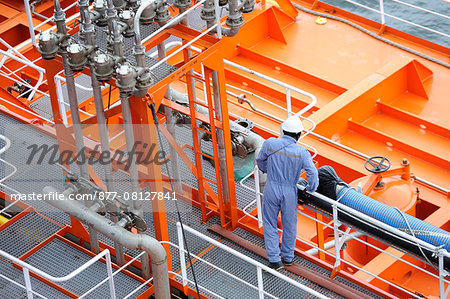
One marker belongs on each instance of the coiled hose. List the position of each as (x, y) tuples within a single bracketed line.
[(370, 33), (391, 216)]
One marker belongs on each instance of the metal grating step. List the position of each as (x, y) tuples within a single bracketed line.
[(17, 239), (59, 258), (302, 262)]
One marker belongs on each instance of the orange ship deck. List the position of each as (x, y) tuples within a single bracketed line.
[(372, 97)]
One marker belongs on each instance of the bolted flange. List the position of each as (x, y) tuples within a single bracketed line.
[(126, 78), (235, 20), (77, 57), (48, 45), (100, 9), (143, 83), (148, 15), (162, 14), (182, 4), (208, 11), (249, 6), (127, 16), (103, 67), (120, 4)]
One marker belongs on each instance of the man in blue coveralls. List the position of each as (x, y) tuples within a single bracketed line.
[(283, 160)]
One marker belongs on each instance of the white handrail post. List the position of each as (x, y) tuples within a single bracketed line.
[(219, 27), (260, 283), (336, 225), (258, 197), (382, 12), (30, 21), (288, 101), (110, 275), (26, 276), (60, 96), (181, 248)]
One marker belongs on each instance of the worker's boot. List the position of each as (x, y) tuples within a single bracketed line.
[(287, 264), (276, 266)]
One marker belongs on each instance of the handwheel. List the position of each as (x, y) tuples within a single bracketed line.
[(375, 164)]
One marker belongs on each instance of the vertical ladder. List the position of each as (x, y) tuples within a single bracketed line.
[(204, 203)]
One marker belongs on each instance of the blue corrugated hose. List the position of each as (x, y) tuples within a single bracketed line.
[(393, 217)]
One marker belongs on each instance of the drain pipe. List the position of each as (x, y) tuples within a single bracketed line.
[(220, 136), (113, 231)]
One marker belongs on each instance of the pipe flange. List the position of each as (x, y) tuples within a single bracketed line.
[(235, 20), (48, 45), (103, 67), (243, 122), (162, 14), (127, 16), (77, 57), (143, 83), (208, 12), (126, 78), (249, 6), (148, 15), (133, 4), (182, 4), (119, 4), (100, 8)]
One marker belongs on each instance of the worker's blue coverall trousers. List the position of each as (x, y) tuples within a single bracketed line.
[(283, 160)]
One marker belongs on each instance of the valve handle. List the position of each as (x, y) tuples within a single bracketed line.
[(376, 164)]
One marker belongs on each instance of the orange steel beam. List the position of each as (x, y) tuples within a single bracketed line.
[(286, 68), (15, 218), (399, 144), (153, 178), (413, 119)]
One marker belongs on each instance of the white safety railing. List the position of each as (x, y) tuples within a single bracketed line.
[(341, 237), (6, 177), (259, 267), (33, 28), (383, 14), (26, 268), (115, 273)]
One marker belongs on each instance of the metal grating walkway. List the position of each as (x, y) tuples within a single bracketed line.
[(17, 239), (58, 258)]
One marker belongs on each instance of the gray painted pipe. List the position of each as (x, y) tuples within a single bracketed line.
[(104, 143), (78, 132), (220, 137), (133, 241), (134, 174)]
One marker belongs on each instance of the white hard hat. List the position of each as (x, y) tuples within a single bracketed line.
[(292, 125)]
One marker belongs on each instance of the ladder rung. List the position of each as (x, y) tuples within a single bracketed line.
[(207, 156), (201, 104), (203, 130), (210, 181)]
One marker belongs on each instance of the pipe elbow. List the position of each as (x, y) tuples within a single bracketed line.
[(230, 32), (154, 248)]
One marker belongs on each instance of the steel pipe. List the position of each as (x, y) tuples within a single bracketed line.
[(133, 241)]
